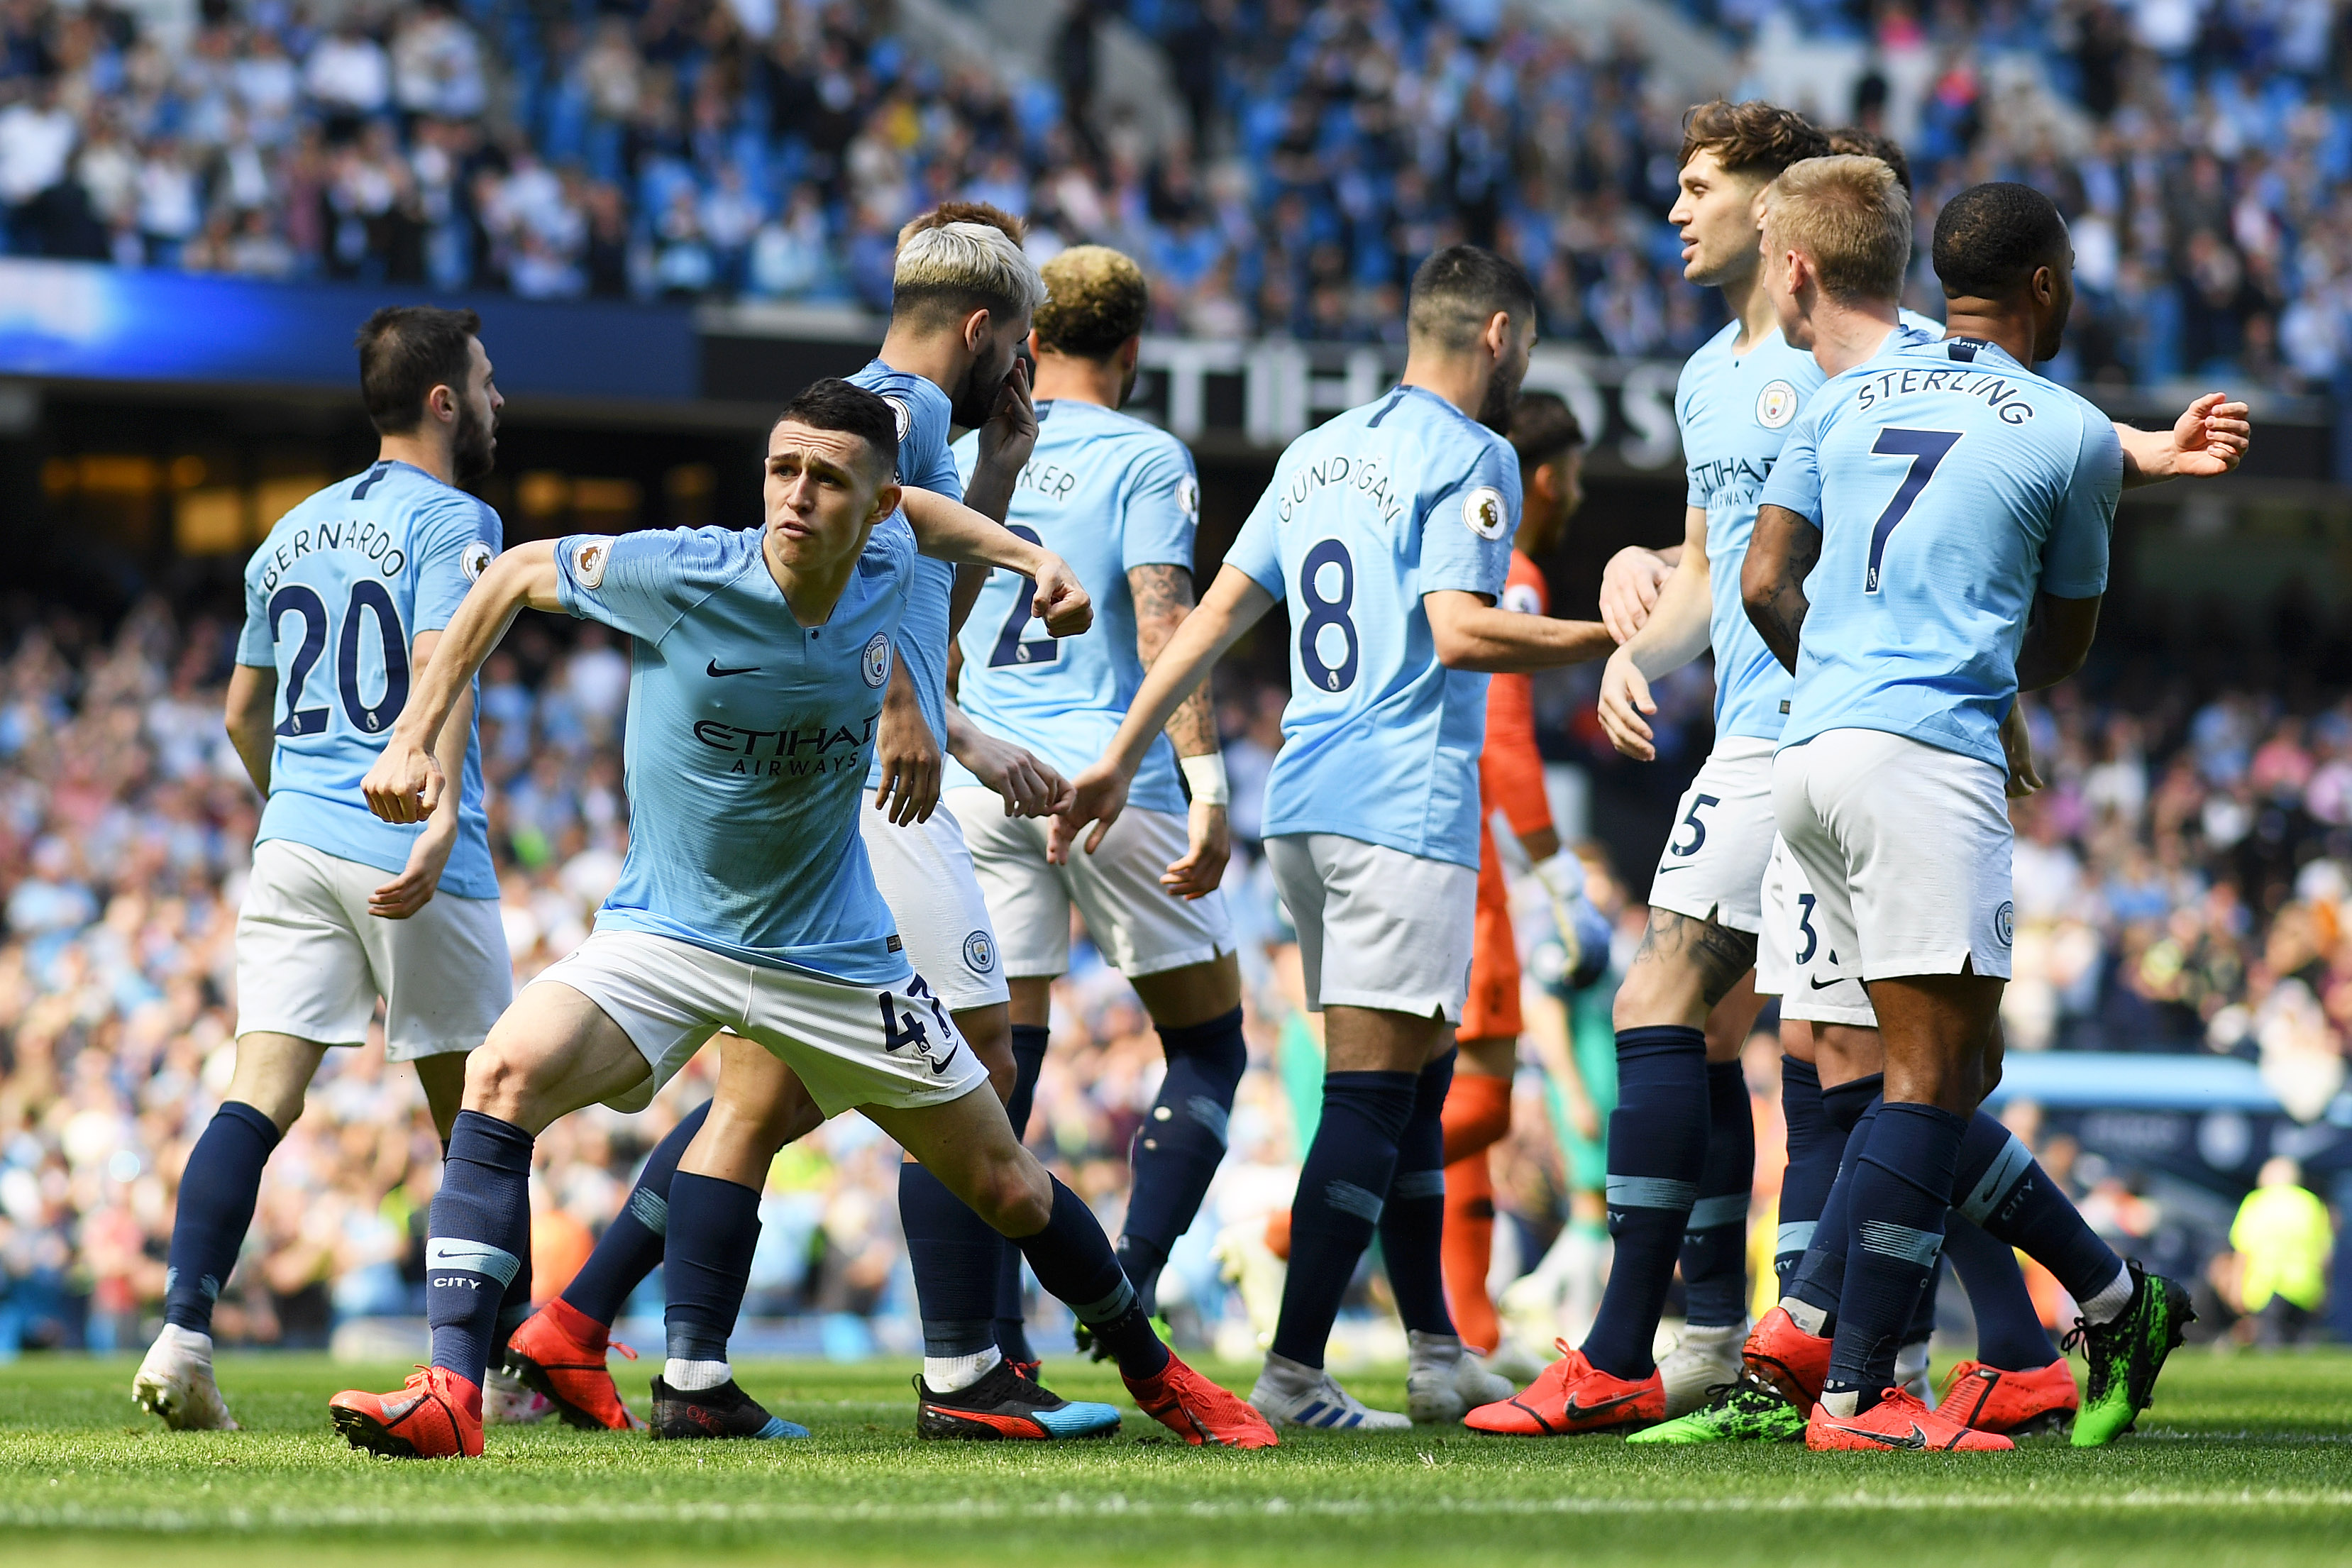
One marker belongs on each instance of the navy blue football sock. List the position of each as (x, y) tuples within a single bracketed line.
[(955, 1255), (1178, 1148), (631, 1247), (1074, 1262), (1413, 1220), (1342, 1187), (2010, 1335), (1901, 1190), (1714, 1237), (1028, 1061), (2002, 1187), (1657, 1153), (1819, 1278), (514, 1308), (714, 1227), (477, 1239), (216, 1197), (1814, 1152)]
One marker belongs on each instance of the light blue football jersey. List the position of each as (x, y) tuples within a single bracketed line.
[(1108, 493), (1951, 484), (334, 600), (1735, 411), (748, 741), (925, 415), (1399, 497)]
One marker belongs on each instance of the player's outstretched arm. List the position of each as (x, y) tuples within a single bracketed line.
[(1674, 634), (1781, 555), (2057, 640), (2208, 440), (1233, 603), (1630, 583), (1163, 598), (1030, 785), (405, 784), (252, 705), (1471, 634), (949, 530)]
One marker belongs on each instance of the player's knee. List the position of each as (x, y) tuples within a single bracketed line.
[(499, 1083), (1652, 994), (1015, 1196)]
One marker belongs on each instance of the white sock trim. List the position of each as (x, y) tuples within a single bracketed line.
[(695, 1377), (1804, 1314), (947, 1374), (2109, 1303)]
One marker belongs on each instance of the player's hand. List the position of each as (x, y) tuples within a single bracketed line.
[(1097, 796), (1010, 434), (1629, 590), (910, 755), (405, 783), (2211, 438), (1209, 845), (414, 888), (2017, 747), (1031, 788), (1061, 600), (1624, 700)]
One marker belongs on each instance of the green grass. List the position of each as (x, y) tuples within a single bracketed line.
[(2242, 1460)]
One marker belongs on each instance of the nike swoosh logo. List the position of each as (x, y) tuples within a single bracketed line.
[(1662, 870), (1573, 1411), (712, 668), (1823, 984), (1918, 1439)]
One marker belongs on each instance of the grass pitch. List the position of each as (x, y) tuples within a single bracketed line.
[(2243, 1460)]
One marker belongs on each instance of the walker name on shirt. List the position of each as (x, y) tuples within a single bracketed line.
[(371, 539), (1051, 480), (814, 753), (1996, 392), (1368, 475)]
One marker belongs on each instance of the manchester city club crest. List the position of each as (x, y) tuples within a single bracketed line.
[(980, 952), (1484, 514), (1776, 404), (878, 660), (2004, 923)]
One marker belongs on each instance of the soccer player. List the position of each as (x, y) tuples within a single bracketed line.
[(1388, 530), (1118, 498), (746, 900), (964, 296), (346, 605), (1933, 541), (1551, 449)]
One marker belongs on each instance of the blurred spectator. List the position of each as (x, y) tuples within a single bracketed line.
[(2275, 1275)]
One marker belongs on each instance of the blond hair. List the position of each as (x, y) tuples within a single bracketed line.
[(954, 268), (1850, 217), (1095, 298)]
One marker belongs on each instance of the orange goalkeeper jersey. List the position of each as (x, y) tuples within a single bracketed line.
[(1510, 770)]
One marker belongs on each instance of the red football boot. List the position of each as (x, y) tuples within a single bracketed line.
[(1571, 1396), (2015, 1403), (1197, 1410), (1899, 1420), (436, 1415), (1790, 1360), (560, 1352)]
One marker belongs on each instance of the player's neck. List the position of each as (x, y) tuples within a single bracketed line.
[(811, 590), (1065, 378), (1844, 335), (1750, 303), (2012, 331), (935, 355), (1460, 379), (420, 452)]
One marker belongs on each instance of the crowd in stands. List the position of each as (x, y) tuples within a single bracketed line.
[(2180, 886), (694, 148)]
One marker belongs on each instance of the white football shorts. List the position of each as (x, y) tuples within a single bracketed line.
[(925, 876), (311, 961), (1906, 846), (850, 1045), (1138, 925), (1811, 978), (1377, 926), (1713, 865)]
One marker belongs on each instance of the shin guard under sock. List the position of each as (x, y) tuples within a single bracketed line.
[(1413, 1220), (1657, 1153), (1901, 1190), (1714, 1237), (631, 1247), (1814, 1155), (1342, 1188), (714, 1228), (2010, 1335), (1073, 1260), (477, 1237), (216, 1197), (955, 1255), (1182, 1140), (1028, 1061), (1819, 1278)]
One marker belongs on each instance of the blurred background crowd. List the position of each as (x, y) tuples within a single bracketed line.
[(2182, 887), (771, 148)]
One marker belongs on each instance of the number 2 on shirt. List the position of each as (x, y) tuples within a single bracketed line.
[(1926, 448), (1009, 647)]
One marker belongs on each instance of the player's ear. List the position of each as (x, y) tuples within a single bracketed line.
[(975, 330), (885, 501), (1497, 335)]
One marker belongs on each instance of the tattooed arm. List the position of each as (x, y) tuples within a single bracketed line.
[(1163, 597), (1781, 555)]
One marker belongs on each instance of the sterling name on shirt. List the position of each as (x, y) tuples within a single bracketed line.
[(1998, 392)]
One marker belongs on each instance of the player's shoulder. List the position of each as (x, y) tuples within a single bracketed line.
[(689, 558), (923, 408)]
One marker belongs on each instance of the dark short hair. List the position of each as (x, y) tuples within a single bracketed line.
[(1754, 137), (1543, 427), (1853, 140), (406, 351), (1458, 290), (836, 404), (1990, 237)]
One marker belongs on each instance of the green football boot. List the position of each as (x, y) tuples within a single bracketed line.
[(2124, 1355), (1747, 1411)]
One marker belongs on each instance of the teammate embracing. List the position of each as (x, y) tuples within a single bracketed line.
[(1388, 530), (345, 603)]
